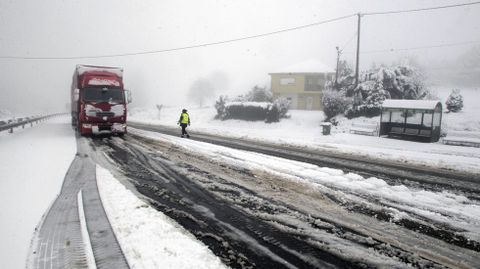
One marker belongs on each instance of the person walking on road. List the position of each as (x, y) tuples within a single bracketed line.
[(184, 121)]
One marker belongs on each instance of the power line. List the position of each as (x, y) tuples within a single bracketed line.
[(419, 9), (348, 42), (182, 48), (236, 39), (422, 47)]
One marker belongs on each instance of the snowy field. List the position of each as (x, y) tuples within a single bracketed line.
[(33, 163), (303, 129)]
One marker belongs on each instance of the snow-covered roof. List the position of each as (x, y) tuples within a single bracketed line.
[(308, 66), (81, 68), (412, 104)]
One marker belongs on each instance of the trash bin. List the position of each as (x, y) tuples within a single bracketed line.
[(326, 126)]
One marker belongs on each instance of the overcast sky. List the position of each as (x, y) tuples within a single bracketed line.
[(66, 28)]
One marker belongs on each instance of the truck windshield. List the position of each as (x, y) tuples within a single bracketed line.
[(103, 95)]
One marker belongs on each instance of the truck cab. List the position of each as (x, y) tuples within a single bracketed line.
[(99, 100)]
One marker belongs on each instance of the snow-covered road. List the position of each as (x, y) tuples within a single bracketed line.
[(177, 176), (445, 207), (179, 202)]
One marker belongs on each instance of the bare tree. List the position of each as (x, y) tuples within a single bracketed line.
[(200, 91), (220, 81)]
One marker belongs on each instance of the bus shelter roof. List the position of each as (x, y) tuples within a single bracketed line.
[(411, 104)]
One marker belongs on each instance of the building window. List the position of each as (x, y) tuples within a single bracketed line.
[(287, 81), (313, 83)]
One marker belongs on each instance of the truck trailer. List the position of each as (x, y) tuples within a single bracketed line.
[(99, 100)]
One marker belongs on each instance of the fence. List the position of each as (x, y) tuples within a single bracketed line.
[(25, 121)]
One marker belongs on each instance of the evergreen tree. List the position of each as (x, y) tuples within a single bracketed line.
[(376, 95), (454, 101), (259, 94)]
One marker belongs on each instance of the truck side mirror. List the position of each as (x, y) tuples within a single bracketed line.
[(129, 96), (76, 95)]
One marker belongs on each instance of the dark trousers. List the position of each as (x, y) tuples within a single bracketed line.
[(184, 127)]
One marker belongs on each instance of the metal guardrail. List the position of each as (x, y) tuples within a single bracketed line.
[(26, 121)]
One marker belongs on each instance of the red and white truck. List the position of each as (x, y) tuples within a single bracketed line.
[(99, 100)]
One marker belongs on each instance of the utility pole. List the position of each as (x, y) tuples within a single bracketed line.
[(336, 70), (358, 50)]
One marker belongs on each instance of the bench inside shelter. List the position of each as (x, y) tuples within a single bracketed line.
[(411, 119), (364, 128)]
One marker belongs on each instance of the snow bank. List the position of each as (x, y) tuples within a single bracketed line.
[(148, 238)]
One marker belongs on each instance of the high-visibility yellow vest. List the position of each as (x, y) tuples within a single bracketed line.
[(185, 118)]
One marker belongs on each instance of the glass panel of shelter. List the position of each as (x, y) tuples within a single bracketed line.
[(427, 119), (436, 120), (386, 116), (397, 116), (414, 116)]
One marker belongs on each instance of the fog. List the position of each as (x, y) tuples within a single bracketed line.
[(63, 29)]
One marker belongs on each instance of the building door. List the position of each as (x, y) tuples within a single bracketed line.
[(309, 103)]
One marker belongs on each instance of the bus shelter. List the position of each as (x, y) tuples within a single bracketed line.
[(411, 119)]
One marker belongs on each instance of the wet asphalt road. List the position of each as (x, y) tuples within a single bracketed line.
[(249, 225)]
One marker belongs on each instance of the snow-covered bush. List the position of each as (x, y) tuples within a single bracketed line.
[(376, 85), (362, 111), (250, 111), (256, 105), (334, 103), (283, 105), (454, 101), (273, 115), (371, 96)]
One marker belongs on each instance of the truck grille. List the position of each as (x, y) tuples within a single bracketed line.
[(107, 114), (104, 128)]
